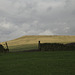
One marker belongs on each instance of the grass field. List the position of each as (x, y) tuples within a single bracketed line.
[(38, 63), (31, 42)]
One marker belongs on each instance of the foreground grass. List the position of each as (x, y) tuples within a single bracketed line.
[(38, 63)]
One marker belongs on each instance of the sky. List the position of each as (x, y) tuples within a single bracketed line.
[(36, 17)]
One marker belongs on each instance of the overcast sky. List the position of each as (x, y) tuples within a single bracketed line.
[(36, 17)]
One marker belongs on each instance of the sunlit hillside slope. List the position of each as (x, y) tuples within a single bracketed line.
[(31, 42)]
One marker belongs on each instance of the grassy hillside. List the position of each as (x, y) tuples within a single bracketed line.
[(31, 42)]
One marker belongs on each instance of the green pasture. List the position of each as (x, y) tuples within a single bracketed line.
[(23, 47), (38, 63)]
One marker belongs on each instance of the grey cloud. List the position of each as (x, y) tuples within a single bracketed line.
[(36, 17)]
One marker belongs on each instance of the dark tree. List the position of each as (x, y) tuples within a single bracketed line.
[(1, 48)]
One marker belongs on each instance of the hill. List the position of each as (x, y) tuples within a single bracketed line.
[(31, 42)]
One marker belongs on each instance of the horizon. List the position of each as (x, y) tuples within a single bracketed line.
[(35, 36)]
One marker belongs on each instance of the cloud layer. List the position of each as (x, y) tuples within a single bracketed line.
[(36, 17)]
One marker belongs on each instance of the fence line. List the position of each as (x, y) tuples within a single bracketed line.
[(56, 46)]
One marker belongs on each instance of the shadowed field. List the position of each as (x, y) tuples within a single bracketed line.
[(38, 63), (31, 42)]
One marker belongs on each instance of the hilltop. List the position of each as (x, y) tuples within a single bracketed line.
[(31, 42)]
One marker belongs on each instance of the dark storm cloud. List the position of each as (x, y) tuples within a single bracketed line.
[(36, 17)]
